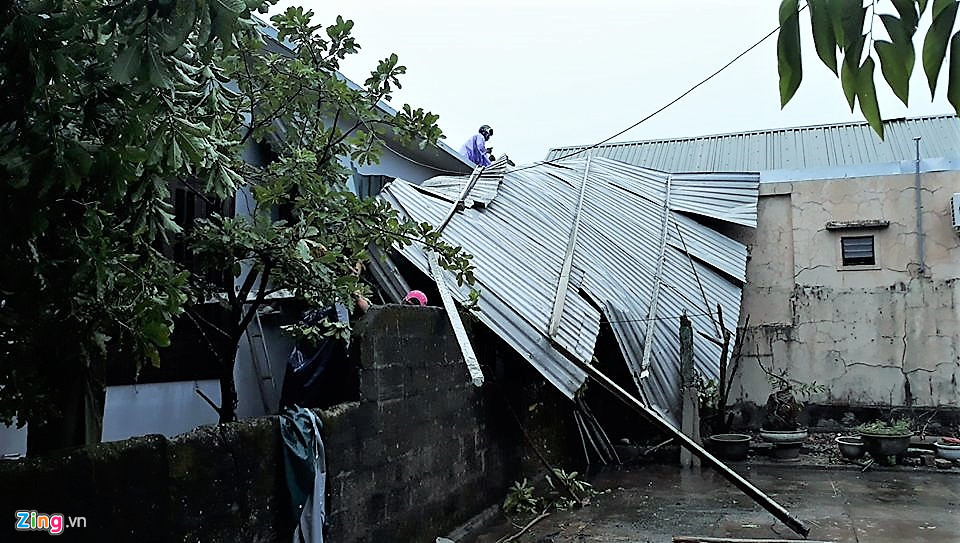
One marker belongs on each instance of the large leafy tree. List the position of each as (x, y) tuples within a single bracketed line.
[(102, 104), (851, 36), (307, 232)]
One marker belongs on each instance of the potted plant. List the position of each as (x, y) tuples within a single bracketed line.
[(781, 425), (725, 445), (948, 448), (885, 439)]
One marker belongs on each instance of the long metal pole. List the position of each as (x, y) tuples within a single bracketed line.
[(744, 485), (564, 282), (921, 257)]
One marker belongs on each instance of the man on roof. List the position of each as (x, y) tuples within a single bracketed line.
[(475, 149)]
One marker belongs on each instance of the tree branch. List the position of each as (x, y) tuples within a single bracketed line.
[(333, 130), (270, 118), (261, 295), (248, 282)]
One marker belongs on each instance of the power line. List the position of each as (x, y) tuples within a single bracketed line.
[(664, 107), (620, 133)]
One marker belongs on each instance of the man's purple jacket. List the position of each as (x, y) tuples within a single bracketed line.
[(476, 150)]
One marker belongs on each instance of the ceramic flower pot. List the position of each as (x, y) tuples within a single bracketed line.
[(784, 436), (882, 445), (851, 447), (786, 451), (730, 446), (948, 451)]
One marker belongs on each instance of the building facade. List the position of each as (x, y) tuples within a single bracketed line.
[(852, 280)]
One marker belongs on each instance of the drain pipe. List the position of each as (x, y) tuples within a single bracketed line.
[(921, 260)]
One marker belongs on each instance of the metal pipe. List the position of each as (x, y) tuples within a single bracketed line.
[(744, 485), (561, 297), (463, 196), (921, 258)]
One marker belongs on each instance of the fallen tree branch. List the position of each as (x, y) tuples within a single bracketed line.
[(536, 519)]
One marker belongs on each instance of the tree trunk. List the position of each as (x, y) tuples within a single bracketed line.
[(227, 354)]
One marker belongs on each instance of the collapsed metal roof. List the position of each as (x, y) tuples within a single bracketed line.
[(561, 248)]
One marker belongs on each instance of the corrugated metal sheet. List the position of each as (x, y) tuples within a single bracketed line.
[(789, 148), (519, 242), (483, 192)]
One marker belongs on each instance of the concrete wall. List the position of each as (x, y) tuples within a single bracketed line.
[(884, 334), (422, 451)]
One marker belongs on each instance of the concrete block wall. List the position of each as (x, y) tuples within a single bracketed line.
[(221, 483), (421, 452)]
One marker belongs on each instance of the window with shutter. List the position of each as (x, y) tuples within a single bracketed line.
[(857, 251)]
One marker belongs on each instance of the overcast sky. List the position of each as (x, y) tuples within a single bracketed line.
[(563, 72)]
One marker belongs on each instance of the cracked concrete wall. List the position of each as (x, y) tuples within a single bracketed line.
[(883, 334)]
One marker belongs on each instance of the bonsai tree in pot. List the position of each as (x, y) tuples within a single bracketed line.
[(782, 410)]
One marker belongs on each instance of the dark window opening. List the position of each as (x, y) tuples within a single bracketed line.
[(369, 186), (188, 206), (857, 251)]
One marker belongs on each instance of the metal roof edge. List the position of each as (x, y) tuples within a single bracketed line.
[(267, 30), (825, 173), (580, 147)]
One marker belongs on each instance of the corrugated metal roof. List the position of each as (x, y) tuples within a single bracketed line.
[(803, 147), (483, 192), (630, 221)]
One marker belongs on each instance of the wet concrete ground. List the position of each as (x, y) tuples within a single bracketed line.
[(655, 503)]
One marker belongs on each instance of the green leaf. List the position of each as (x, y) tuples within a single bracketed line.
[(922, 6), (939, 6), (935, 44), (908, 14), (204, 31), (897, 58), (850, 22), (953, 85), (155, 71), (175, 30), (824, 39), (896, 65), (158, 333), (849, 70), (789, 63), (895, 28), (128, 62), (867, 96), (235, 7)]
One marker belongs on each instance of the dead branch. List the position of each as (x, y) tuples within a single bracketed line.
[(536, 519)]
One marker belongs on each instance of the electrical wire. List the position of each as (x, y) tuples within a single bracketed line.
[(409, 159), (661, 109), (625, 130), (690, 315)]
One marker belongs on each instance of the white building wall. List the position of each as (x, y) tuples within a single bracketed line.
[(158, 408)]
